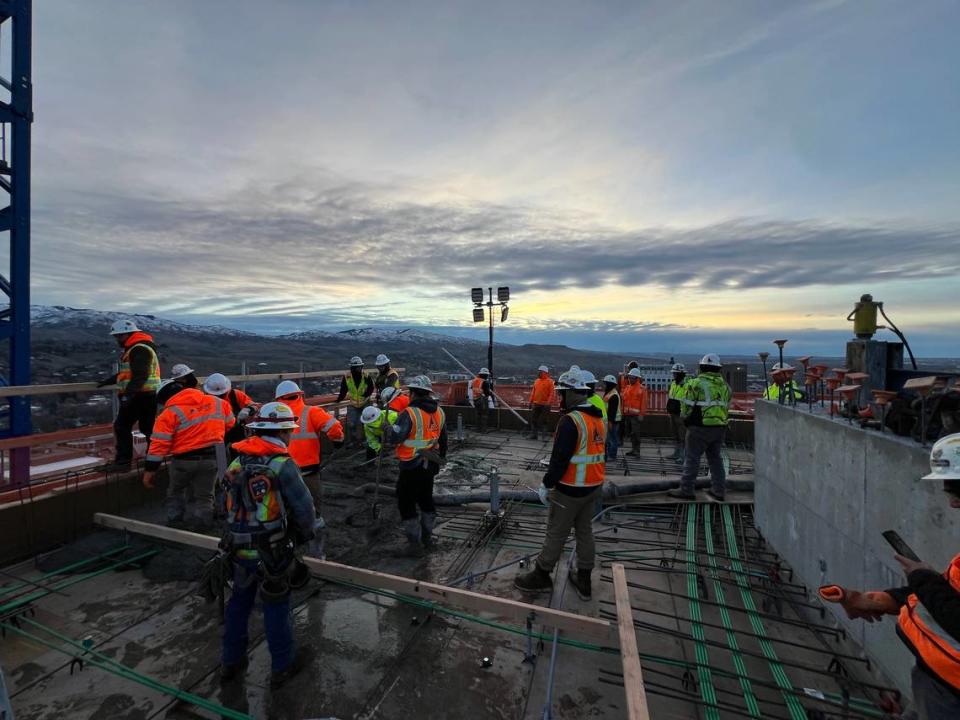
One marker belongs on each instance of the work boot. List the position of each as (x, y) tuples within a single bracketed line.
[(301, 658), (717, 496), (535, 581), (411, 528), (681, 494), (581, 583), (427, 522), (229, 673)]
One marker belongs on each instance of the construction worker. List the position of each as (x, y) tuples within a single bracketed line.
[(611, 397), (675, 397), (386, 376), (541, 395), (706, 405), (374, 419), (420, 435), (773, 389), (219, 385), (268, 512), (571, 487), (184, 376), (623, 378), (927, 607), (312, 422), (394, 399), (138, 381), (192, 428), (596, 392), (634, 400), (480, 394), (358, 388)]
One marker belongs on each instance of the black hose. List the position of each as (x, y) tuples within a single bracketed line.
[(896, 331)]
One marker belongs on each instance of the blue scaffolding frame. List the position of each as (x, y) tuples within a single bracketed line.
[(16, 117)]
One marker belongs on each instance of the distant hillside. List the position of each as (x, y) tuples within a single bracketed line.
[(73, 345)]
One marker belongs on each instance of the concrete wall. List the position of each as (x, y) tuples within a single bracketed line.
[(826, 490)]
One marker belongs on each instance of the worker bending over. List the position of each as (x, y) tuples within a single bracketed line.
[(191, 427), (611, 397), (387, 377), (375, 420), (138, 381), (480, 394), (220, 386), (927, 607), (706, 405), (420, 435), (634, 399), (540, 398), (394, 399), (357, 388), (571, 487), (675, 396), (269, 512)]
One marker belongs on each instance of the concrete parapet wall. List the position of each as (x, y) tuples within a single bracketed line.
[(825, 490)]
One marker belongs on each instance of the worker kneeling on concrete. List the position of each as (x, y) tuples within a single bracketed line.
[(420, 434), (374, 419), (927, 607), (571, 487), (191, 427), (706, 406), (269, 513)]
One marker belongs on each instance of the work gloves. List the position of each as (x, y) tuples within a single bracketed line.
[(870, 606), (542, 494)]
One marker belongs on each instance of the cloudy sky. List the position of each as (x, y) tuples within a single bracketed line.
[(643, 175)]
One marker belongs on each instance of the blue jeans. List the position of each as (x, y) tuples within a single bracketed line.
[(613, 441), (277, 621), (933, 700)]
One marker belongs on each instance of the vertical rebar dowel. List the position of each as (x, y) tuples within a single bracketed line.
[(459, 427), (495, 492)]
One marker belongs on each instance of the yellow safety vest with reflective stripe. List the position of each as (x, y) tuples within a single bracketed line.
[(677, 390), (356, 392), (587, 467), (606, 399), (374, 431), (710, 393), (152, 383), (773, 391)]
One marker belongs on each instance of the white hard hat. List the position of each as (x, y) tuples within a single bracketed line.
[(610, 379), (388, 393), (369, 414), (274, 416), (382, 360), (287, 387), (179, 371), (778, 366), (123, 327), (217, 384), (420, 382), (678, 368), (543, 368), (635, 372), (574, 368), (483, 371), (711, 360), (945, 459), (164, 383), (588, 378), (356, 361), (571, 380)]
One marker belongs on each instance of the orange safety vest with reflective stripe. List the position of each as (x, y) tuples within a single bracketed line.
[(191, 420), (424, 433), (587, 467), (937, 648), (634, 399), (477, 386), (304, 445), (125, 374)]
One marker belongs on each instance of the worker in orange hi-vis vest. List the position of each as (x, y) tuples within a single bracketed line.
[(541, 395), (480, 395), (634, 400)]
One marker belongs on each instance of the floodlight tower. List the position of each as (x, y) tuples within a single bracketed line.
[(503, 297), (16, 115)]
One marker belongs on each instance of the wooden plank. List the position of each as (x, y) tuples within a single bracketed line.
[(59, 436), (90, 387), (637, 708), (576, 627)]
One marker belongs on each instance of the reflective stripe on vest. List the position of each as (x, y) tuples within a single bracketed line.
[(356, 392), (477, 386), (587, 466), (938, 649), (125, 375), (420, 437), (606, 399)]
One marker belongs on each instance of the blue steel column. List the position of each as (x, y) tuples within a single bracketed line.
[(18, 115)]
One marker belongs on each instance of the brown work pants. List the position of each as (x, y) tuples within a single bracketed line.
[(567, 512), (538, 419), (631, 429)]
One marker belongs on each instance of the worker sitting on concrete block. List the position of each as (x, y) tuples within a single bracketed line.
[(571, 487), (706, 407), (927, 607), (269, 512)]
